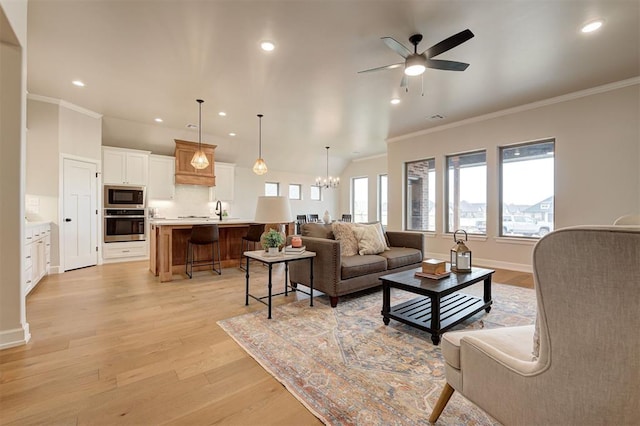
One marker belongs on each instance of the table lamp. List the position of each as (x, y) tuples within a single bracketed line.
[(274, 210)]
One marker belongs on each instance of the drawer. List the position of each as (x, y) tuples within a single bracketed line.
[(28, 256), (122, 250), (28, 280)]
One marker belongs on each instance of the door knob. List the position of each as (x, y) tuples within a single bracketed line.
[(67, 219)]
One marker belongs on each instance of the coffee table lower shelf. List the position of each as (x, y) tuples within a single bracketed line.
[(454, 308)]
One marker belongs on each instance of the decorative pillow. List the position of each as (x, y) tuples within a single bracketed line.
[(369, 240), (382, 233), (343, 232)]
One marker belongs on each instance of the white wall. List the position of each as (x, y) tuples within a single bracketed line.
[(370, 167), (14, 328), (597, 174), (55, 128), (194, 199)]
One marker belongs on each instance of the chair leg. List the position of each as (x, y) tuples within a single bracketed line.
[(442, 402), (186, 266), (213, 258), (242, 250)]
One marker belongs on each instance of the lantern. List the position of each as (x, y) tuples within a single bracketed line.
[(460, 254)]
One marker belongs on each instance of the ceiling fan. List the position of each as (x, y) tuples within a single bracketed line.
[(416, 63)]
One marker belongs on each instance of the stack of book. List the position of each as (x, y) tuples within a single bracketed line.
[(294, 250), (434, 269)]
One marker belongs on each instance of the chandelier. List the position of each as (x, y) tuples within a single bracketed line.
[(328, 181), (199, 160)]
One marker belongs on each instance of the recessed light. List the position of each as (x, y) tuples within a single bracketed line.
[(158, 120), (78, 83), (232, 134), (395, 101), (436, 117), (222, 114), (592, 26), (267, 46)]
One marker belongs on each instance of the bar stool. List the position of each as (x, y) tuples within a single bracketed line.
[(346, 217), (203, 235), (253, 236), (300, 220)]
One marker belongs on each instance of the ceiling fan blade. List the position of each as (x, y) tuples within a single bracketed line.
[(449, 43), (446, 65), (405, 81), (386, 67), (397, 47)]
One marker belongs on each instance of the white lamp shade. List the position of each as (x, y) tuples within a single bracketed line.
[(273, 210)]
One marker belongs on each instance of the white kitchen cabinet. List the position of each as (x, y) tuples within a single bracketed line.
[(225, 183), (124, 166), (161, 177), (37, 254)]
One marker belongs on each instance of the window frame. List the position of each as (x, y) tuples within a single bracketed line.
[(311, 194), (277, 184), (407, 208), (299, 187), (501, 203), (353, 209), (447, 195), (382, 176)]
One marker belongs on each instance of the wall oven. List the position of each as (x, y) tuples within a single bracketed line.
[(124, 197), (124, 225)]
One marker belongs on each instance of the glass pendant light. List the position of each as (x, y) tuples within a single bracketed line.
[(260, 167), (199, 160)]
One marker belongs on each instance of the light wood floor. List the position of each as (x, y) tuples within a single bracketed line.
[(112, 345)]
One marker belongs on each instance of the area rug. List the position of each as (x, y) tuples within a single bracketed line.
[(348, 368)]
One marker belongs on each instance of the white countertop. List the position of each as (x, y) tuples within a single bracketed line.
[(199, 221)]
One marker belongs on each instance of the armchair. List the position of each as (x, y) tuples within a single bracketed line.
[(586, 369)]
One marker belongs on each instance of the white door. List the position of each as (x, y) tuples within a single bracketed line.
[(79, 221)]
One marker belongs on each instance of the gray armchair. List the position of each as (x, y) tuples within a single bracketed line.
[(587, 367)]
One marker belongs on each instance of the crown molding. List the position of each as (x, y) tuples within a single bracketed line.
[(64, 104), (558, 99), (371, 157)]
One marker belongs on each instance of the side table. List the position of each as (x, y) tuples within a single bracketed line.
[(262, 256)]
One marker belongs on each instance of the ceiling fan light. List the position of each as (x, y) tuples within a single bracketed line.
[(415, 65), (260, 167)]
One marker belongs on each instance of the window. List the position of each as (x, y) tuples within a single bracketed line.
[(315, 193), (420, 195), (466, 196), (271, 189), (382, 199), (526, 189), (360, 199), (295, 191)]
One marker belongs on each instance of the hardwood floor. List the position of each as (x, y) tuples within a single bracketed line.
[(112, 345)]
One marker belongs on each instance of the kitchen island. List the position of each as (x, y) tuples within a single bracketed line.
[(169, 244)]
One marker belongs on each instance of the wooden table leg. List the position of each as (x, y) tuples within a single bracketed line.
[(311, 281), (270, 268), (487, 292), (386, 302), (435, 319)]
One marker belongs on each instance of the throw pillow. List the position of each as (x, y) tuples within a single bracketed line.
[(381, 230), (343, 232), (369, 240)]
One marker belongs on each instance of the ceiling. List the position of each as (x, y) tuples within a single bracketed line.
[(144, 59)]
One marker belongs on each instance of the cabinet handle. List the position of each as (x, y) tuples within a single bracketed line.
[(125, 251), (29, 257), (29, 282), (29, 238), (67, 219)]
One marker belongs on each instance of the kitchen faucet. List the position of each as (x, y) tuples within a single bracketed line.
[(219, 209)]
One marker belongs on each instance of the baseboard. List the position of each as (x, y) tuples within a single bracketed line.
[(124, 259), (489, 263), (15, 337), (55, 270)]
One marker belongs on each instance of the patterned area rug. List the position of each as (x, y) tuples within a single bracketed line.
[(348, 368)]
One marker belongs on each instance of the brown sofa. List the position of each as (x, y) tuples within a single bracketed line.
[(337, 275)]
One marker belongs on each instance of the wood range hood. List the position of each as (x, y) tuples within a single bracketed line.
[(186, 174)]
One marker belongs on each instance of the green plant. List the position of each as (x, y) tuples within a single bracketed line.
[(272, 238)]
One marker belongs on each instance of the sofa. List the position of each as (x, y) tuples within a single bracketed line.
[(337, 274)]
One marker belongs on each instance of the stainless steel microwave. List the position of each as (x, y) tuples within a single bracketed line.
[(124, 197)]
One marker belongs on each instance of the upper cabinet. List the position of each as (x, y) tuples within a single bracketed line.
[(161, 184), (124, 166), (185, 172), (225, 183)]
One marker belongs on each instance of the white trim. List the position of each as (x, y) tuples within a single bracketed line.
[(488, 263), (15, 337), (516, 240), (558, 99), (55, 270), (64, 104)]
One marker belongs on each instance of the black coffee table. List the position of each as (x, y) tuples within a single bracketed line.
[(443, 307)]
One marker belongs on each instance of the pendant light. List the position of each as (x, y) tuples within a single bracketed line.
[(328, 181), (260, 167), (199, 160)]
